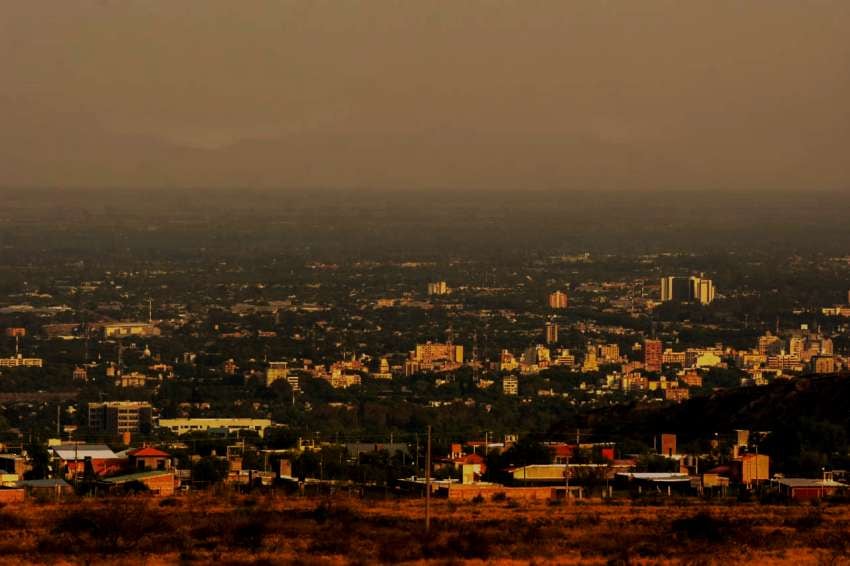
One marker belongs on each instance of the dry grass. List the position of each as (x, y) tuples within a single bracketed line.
[(235, 529)]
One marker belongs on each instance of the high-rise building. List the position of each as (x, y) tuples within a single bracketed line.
[(676, 289), (116, 417), (797, 345), (770, 345), (438, 288), (537, 355), (565, 358), (275, 371), (591, 363), (687, 289), (551, 333), (823, 364), (430, 353), (507, 361), (510, 385), (609, 352), (558, 300), (652, 355), (703, 290), (294, 382)]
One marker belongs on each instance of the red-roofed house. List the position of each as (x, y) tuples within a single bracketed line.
[(562, 453), (472, 467), (149, 458)]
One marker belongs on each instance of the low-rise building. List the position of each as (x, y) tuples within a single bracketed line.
[(158, 482), (123, 329), (182, 426), (134, 379), (804, 489), (148, 458), (677, 394), (72, 459), (21, 361)]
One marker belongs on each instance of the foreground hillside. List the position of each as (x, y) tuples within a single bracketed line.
[(276, 530)]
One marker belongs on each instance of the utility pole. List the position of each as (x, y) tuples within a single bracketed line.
[(475, 357), (428, 483), (757, 462)]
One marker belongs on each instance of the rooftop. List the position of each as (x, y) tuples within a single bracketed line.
[(83, 451), (809, 482), (137, 476), (148, 452)]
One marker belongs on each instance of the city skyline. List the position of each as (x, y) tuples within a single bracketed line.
[(386, 282)]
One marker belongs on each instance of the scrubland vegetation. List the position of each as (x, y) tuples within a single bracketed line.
[(237, 529)]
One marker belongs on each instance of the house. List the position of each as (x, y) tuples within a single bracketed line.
[(663, 482), (72, 459), (805, 489), (472, 467), (148, 458), (562, 453), (713, 483), (158, 482)]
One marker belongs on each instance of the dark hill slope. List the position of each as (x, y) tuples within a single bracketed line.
[(809, 420)]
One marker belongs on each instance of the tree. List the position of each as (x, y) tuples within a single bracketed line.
[(209, 470)]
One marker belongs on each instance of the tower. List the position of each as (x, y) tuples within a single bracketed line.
[(652, 355), (558, 300), (551, 333)]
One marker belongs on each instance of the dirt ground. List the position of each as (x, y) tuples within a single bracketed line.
[(269, 529)]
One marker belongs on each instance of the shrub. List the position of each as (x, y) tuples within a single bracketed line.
[(701, 526), (11, 521), (119, 526), (813, 518), (248, 533), (471, 543)]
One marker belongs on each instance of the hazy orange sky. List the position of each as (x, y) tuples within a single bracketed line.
[(727, 94)]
